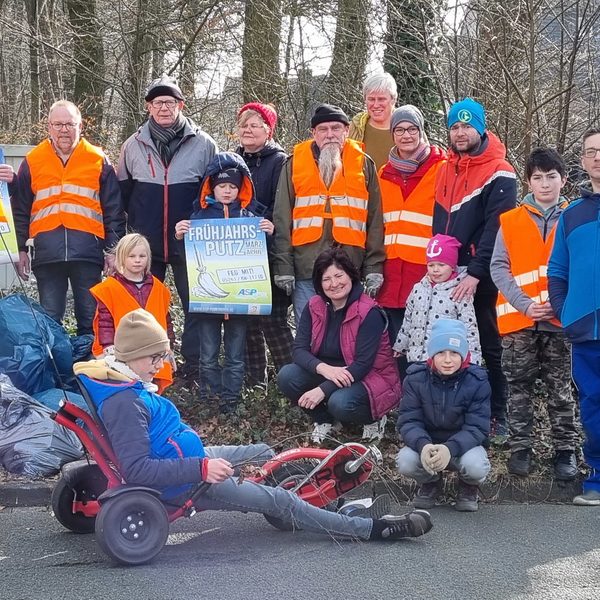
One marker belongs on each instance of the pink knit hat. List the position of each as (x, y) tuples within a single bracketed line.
[(266, 111), (444, 249)]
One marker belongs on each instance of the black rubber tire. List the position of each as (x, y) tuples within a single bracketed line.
[(115, 535), (287, 475), (88, 484)]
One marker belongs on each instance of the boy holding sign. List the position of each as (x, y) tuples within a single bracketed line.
[(226, 193)]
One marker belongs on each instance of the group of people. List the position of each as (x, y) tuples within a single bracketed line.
[(391, 250)]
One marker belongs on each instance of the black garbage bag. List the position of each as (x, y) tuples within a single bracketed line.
[(31, 443), (24, 356)]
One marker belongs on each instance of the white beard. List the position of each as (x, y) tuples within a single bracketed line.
[(330, 162)]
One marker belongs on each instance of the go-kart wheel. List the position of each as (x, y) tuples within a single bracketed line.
[(287, 476), (132, 527), (86, 484)]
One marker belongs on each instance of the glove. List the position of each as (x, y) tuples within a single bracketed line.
[(373, 283), (440, 457), (427, 457), (287, 283)]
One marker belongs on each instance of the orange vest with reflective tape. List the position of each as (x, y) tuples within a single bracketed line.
[(66, 195), (407, 221), (345, 202), (119, 302), (528, 254)]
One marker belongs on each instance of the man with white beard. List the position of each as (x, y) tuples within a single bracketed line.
[(328, 193)]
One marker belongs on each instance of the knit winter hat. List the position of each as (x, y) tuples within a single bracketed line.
[(163, 86), (326, 113), (139, 335), (448, 334), (470, 112), (266, 111), (411, 114), (231, 175), (444, 249)]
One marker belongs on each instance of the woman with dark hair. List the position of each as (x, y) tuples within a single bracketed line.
[(265, 158), (343, 368)]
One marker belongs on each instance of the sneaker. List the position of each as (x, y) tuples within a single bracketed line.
[(589, 498), (373, 508), (427, 494), (519, 462), (565, 465), (412, 524), (498, 432), (373, 432), (227, 407), (466, 497), (322, 431)]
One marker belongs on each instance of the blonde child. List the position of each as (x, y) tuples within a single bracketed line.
[(431, 300), (132, 286)]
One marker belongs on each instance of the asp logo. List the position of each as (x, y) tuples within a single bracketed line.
[(465, 115), (248, 292)]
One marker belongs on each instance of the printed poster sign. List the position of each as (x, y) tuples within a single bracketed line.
[(7, 227), (228, 267)]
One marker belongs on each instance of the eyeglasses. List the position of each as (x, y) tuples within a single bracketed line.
[(157, 358), (591, 152), (252, 126), (412, 130), (160, 103), (67, 126)]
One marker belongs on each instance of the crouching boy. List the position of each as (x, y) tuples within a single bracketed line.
[(444, 418)]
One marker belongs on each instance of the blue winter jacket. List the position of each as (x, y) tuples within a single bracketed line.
[(574, 269), (452, 410), (154, 447)]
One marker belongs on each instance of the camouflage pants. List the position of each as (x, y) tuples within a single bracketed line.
[(527, 356)]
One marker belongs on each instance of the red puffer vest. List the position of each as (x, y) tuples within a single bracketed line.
[(383, 381)]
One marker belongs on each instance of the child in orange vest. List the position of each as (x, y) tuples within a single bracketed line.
[(131, 287), (533, 344)]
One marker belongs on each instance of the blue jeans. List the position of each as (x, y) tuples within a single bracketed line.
[(302, 293), (585, 364), (473, 466), (274, 501), (226, 382), (347, 405), (53, 281)]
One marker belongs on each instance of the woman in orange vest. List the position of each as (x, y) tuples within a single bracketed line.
[(131, 287), (406, 181)]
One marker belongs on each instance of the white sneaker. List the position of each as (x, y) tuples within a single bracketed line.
[(322, 431), (373, 508), (373, 432)]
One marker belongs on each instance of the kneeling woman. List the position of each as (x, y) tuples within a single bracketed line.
[(343, 368)]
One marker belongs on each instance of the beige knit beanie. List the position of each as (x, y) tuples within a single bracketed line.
[(139, 335)]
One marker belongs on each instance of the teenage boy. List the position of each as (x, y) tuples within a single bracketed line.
[(444, 418), (533, 344)]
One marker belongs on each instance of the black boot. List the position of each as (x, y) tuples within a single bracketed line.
[(427, 494), (519, 462), (466, 497), (565, 465)]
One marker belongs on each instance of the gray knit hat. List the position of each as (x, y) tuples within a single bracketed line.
[(139, 335)]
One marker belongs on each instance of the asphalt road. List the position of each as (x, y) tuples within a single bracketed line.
[(502, 552)]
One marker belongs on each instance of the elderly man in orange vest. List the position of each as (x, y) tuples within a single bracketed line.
[(328, 194), (66, 205)]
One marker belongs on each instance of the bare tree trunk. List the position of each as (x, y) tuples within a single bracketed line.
[(34, 68)]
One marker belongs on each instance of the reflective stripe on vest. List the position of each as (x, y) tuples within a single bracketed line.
[(529, 266), (345, 202), (408, 221), (66, 195)]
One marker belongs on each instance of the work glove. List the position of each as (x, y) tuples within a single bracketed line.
[(287, 283), (373, 283), (440, 457), (427, 457)]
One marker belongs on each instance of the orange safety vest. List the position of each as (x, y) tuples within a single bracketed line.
[(345, 201), (528, 254), (407, 221), (119, 302), (66, 195)]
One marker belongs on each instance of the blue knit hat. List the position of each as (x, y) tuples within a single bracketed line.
[(448, 334), (470, 112)]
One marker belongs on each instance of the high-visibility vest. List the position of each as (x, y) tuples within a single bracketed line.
[(345, 201), (528, 265), (407, 221), (119, 302), (66, 195)]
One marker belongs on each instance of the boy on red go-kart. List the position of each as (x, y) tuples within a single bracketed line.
[(155, 448)]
